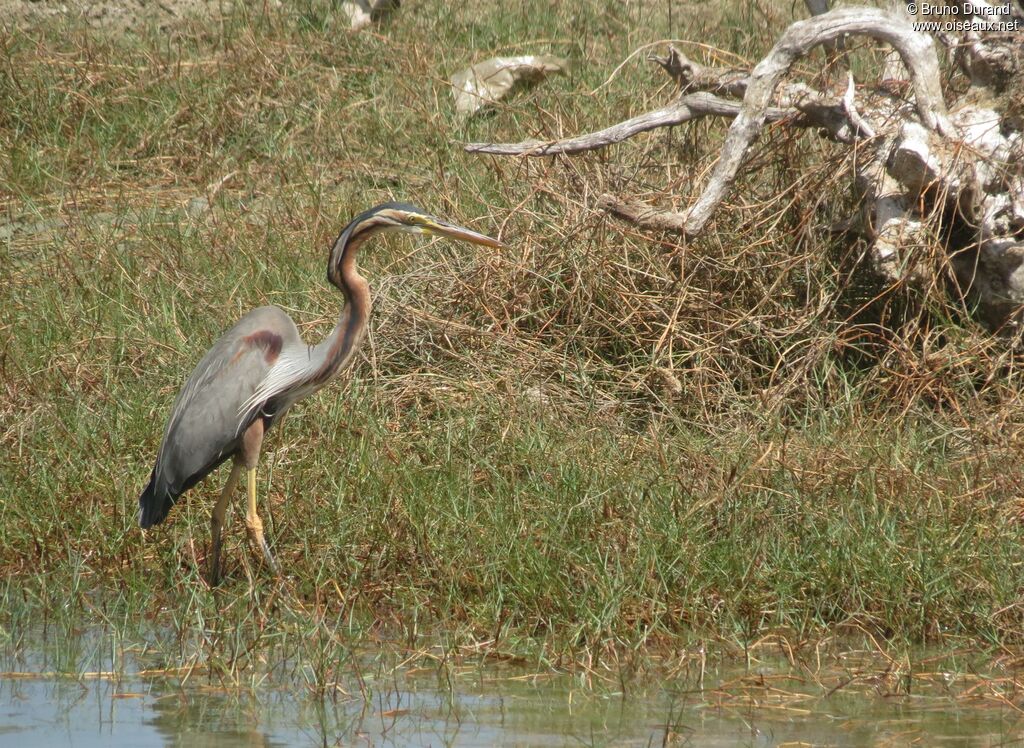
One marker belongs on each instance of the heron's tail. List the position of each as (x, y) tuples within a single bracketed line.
[(154, 503)]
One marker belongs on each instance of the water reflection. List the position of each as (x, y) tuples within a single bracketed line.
[(484, 706), (205, 719)]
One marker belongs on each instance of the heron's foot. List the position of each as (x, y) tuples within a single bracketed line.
[(256, 537), (269, 558)]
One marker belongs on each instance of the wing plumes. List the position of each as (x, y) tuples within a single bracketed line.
[(207, 370), (285, 377)]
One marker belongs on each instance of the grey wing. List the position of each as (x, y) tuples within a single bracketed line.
[(206, 421)]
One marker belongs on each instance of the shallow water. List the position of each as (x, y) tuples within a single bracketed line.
[(760, 705)]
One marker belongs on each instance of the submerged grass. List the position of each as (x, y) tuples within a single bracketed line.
[(571, 450)]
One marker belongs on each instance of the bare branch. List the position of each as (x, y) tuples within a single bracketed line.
[(851, 109), (692, 76), (642, 215), (688, 108), (912, 162), (820, 8), (915, 49)]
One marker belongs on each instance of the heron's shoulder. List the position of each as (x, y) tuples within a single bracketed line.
[(267, 326), (266, 331), (270, 318)]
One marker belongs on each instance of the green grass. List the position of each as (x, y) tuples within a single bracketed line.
[(504, 464)]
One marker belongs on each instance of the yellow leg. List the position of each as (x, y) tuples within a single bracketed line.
[(217, 523), (255, 524)]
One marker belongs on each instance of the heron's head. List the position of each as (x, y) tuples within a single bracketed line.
[(390, 217), (406, 217)]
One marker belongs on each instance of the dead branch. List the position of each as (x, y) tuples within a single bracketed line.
[(925, 176), (915, 49), (642, 215), (837, 117), (686, 109), (692, 76)]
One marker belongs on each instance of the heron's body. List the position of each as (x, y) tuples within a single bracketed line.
[(209, 421), (256, 371)]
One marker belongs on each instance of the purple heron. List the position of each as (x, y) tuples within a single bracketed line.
[(260, 368)]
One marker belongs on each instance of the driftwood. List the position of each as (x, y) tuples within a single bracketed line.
[(914, 162)]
